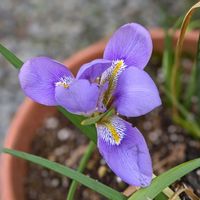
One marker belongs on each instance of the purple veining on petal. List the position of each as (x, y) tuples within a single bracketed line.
[(79, 98), (130, 160), (38, 77), (131, 43), (136, 94)]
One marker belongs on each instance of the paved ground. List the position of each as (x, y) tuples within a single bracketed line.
[(59, 28)]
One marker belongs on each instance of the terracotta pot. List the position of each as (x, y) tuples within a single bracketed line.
[(30, 116)]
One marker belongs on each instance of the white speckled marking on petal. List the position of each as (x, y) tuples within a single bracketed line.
[(112, 130), (112, 75)]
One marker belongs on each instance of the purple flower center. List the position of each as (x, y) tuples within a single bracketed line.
[(64, 81)]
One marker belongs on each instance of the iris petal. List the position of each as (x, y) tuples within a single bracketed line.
[(130, 159), (136, 94), (79, 98), (131, 43), (94, 69), (38, 77)]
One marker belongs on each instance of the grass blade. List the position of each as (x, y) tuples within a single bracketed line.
[(167, 60), (190, 88), (16, 62), (70, 173), (176, 66), (83, 163), (186, 120), (161, 182)]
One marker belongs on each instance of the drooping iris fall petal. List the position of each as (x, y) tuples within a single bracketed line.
[(80, 97), (131, 43), (125, 151), (136, 94), (38, 77)]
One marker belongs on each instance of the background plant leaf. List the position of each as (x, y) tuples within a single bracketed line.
[(16, 62)]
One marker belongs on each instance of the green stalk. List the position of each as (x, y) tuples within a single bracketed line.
[(95, 119), (90, 149)]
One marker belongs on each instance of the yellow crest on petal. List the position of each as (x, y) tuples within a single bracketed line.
[(112, 130)]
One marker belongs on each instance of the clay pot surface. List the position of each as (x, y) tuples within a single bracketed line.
[(31, 115)]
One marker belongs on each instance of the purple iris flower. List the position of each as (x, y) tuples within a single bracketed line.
[(117, 81), (127, 88)]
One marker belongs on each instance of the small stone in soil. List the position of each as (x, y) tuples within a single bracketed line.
[(173, 137), (154, 135), (102, 171), (119, 180), (55, 182), (147, 125), (51, 123), (60, 150), (64, 134), (198, 172), (172, 129)]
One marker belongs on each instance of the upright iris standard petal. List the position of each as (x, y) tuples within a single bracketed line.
[(129, 159), (136, 94), (80, 97), (94, 69), (131, 43), (38, 77)]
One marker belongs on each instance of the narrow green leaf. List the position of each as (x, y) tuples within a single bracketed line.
[(177, 23), (185, 120), (191, 126), (89, 131), (195, 24), (83, 163), (161, 182), (167, 60), (16, 62), (190, 88), (70, 173), (161, 196), (178, 52), (92, 120)]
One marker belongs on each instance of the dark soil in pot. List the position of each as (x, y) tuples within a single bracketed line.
[(60, 141)]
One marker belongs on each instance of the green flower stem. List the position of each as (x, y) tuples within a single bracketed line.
[(90, 149), (98, 117)]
